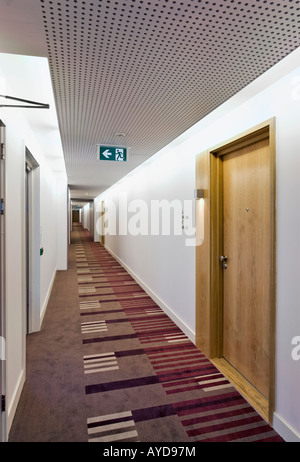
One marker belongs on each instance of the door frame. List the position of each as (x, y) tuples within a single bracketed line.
[(32, 266), (102, 215), (3, 364), (209, 274)]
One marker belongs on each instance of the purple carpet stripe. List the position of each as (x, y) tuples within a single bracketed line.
[(142, 311), (226, 424), (202, 368), (194, 384), (116, 321), (121, 384), (125, 292), (131, 303), (123, 354), (182, 373), (119, 288), (168, 359), (150, 326), (158, 328), (131, 288), (178, 364), (174, 383), (148, 339), (155, 412), (112, 285), (139, 306), (206, 418), (165, 350), (232, 434), (92, 313), (153, 339), (207, 404), (266, 437), (109, 300), (183, 389), (170, 334), (173, 356), (117, 278), (144, 320), (113, 338)]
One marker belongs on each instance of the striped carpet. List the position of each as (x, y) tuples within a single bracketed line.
[(144, 380)]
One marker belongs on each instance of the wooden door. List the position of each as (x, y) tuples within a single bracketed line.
[(246, 274), (75, 216)]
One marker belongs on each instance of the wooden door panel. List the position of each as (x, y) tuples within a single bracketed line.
[(246, 243)]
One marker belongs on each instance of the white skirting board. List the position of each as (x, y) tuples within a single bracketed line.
[(45, 304), (12, 406), (284, 430)]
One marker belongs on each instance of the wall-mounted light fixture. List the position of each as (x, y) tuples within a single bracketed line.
[(199, 193)]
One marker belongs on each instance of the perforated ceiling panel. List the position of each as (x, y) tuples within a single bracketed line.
[(151, 69)]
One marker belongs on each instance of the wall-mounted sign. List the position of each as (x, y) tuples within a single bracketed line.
[(115, 154)]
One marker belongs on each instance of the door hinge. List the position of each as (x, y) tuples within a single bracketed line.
[(2, 151), (3, 403)]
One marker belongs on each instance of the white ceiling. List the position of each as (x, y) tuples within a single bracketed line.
[(148, 69)]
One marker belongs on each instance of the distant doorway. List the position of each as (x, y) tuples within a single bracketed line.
[(75, 216)]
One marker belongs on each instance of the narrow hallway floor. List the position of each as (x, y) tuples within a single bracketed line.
[(110, 366)]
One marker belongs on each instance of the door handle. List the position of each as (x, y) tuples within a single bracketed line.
[(223, 260)]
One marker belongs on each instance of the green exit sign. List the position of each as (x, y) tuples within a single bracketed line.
[(115, 154)]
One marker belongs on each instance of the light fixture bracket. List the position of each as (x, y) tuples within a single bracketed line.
[(33, 104), (199, 193)]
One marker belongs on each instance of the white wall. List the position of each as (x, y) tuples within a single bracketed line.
[(165, 266), (53, 196), (62, 222), (87, 217)]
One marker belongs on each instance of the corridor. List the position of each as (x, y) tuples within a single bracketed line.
[(109, 366)]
